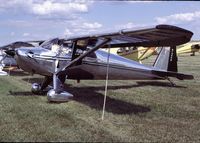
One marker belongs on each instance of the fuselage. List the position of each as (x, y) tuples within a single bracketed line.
[(41, 61)]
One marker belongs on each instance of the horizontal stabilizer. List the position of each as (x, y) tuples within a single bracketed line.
[(179, 76)]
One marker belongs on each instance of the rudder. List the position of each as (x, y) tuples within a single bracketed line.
[(167, 59)]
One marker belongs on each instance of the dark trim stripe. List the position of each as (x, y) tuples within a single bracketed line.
[(115, 66)]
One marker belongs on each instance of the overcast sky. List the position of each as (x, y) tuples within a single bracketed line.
[(43, 19)]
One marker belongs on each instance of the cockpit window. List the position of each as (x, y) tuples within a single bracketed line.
[(58, 46), (48, 44), (64, 48)]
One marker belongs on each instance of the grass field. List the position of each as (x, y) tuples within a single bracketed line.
[(139, 111)]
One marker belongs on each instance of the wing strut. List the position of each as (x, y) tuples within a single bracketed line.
[(57, 94), (106, 87)]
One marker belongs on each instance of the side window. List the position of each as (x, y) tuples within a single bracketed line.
[(82, 46), (66, 50), (79, 48)]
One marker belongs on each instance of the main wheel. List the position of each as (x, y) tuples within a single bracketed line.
[(36, 88)]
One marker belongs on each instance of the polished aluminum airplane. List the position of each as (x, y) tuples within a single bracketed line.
[(81, 58)]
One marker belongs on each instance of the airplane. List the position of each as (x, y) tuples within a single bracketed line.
[(191, 47), (82, 58)]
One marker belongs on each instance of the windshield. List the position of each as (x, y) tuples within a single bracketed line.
[(48, 44), (58, 46)]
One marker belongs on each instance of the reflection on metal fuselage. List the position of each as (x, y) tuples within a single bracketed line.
[(41, 61)]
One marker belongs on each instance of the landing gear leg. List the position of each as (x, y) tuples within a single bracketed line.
[(57, 94), (41, 88), (171, 82)]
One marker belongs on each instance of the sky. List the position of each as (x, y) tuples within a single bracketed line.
[(24, 20)]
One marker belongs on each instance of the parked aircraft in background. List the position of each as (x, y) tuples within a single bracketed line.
[(80, 58), (1, 64), (6, 60), (142, 53), (190, 47), (135, 53)]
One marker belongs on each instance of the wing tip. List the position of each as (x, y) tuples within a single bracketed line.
[(172, 27)]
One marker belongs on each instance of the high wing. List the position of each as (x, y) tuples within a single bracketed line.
[(159, 36)]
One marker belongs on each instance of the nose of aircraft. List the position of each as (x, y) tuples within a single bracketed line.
[(22, 59), (21, 52)]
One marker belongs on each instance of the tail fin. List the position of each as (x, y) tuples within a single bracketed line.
[(167, 59)]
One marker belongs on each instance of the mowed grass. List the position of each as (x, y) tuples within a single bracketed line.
[(139, 111)]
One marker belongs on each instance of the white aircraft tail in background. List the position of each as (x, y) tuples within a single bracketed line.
[(2, 73)]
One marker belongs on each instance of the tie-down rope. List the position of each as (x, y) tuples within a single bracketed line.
[(106, 86)]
